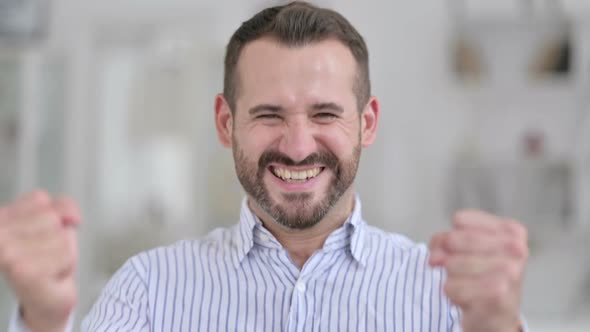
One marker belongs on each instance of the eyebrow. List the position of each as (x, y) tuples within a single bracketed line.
[(328, 106)]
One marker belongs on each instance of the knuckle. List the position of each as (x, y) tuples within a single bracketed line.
[(516, 227), (466, 215), (519, 248), (458, 214), (462, 215), (39, 197)]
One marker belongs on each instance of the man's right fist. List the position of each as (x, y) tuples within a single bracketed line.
[(38, 257)]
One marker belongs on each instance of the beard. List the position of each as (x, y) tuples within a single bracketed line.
[(299, 211)]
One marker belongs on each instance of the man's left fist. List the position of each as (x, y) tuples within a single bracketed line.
[(484, 257)]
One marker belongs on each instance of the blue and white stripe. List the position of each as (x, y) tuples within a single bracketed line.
[(242, 279)]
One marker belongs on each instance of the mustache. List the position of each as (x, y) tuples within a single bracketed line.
[(325, 158)]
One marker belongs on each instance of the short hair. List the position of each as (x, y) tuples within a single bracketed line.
[(297, 24)]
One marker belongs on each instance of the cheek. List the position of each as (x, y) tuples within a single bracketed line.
[(255, 140), (340, 142)]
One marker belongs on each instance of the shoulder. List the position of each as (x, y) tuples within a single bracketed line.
[(395, 248), (219, 242), (376, 236), (398, 253)]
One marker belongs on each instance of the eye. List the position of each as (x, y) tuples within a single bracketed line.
[(268, 116), (325, 115)]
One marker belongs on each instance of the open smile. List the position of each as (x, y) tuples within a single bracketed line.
[(295, 175)]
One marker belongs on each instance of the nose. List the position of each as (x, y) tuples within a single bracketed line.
[(298, 140)]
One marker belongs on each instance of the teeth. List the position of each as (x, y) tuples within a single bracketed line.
[(298, 176)]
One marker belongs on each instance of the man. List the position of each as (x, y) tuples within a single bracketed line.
[(296, 111)]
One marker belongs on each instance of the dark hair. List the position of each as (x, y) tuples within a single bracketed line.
[(297, 24)]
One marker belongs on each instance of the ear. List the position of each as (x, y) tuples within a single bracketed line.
[(223, 121), (369, 121)]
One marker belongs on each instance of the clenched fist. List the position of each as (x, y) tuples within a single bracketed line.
[(484, 257), (38, 257)]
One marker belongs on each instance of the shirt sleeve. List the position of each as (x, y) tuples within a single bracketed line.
[(123, 303), (455, 320), (524, 327), (17, 325)]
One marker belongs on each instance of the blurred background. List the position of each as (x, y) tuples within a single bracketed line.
[(485, 104)]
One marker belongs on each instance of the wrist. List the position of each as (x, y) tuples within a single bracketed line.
[(36, 322)]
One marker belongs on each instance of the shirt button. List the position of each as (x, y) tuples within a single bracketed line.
[(300, 285)]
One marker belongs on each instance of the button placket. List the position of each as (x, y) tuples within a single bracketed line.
[(300, 286)]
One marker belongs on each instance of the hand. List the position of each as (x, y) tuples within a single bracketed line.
[(484, 257), (38, 258)]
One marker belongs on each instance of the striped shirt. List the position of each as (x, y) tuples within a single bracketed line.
[(242, 279)]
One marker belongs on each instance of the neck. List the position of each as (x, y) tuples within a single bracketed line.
[(302, 243)]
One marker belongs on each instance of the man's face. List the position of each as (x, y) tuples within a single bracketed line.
[(296, 132)]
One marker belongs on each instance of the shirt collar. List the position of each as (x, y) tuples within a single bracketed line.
[(244, 232), (357, 228), (251, 230)]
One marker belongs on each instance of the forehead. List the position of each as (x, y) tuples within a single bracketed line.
[(272, 72)]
